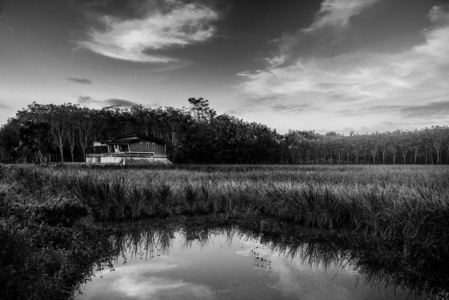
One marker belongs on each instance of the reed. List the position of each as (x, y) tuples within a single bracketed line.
[(394, 203)]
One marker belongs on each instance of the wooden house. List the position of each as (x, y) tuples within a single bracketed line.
[(129, 147)]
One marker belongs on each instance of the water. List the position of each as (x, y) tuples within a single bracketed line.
[(227, 263)]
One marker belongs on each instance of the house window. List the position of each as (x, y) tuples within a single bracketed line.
[(141, 146), (148, 146), (152, 146)]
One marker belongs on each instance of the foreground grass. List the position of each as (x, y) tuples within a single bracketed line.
[(402, 212), (49, 244), (386, 201)]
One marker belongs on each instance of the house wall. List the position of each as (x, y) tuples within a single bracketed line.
[(111, 159), (158, 148)]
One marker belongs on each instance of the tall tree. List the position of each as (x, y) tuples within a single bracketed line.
[(374, 147), (437, 136), (84, 122), (35, 140), (201, 110), (58, 127), (404, 144), (393, 146)]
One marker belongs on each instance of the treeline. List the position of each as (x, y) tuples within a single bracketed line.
[(425, 146), (47, 132)]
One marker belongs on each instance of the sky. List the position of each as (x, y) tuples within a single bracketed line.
[(330, 65)]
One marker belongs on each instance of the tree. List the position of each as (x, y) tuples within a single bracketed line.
[(393, 146), (374, 147), (200, 110), (58, 127), (446, 142), (9, 140), (340, 148), (84, 122), (295, 141), (416, 144), (355, 147), (71, 114), (404, 144), (437, 136), (35, 140), (177, 122), (383, 146)]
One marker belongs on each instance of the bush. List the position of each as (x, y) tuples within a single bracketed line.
[(48, 248)]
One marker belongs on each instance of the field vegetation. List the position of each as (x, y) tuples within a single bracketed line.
[(49, 243), (397, 214)]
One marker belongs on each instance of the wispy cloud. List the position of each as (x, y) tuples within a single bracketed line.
[(175, 24), (384, 108), (86, 100), (328, 29), (427, 110), (403, 79), (337, 13), (291, 108), (80, 80)]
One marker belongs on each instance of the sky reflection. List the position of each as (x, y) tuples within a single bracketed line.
[(224, 265)]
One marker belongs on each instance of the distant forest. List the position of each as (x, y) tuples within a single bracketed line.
[(196, 134)]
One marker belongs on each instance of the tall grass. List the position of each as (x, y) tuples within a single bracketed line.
[(49, 245), (394, 203), (399, 213)]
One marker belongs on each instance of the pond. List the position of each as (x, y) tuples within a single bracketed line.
[(165, 261)]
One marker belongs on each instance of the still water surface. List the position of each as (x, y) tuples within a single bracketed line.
[(226, 264)]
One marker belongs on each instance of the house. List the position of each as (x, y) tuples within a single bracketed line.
[(128, 148)]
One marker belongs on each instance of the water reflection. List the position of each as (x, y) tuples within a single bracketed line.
[(160, 260)]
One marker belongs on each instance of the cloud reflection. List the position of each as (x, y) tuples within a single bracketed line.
[(210, 262), (145, 281)]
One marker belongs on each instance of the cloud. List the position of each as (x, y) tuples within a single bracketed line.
[(291, 108), (404, 79), (171, 67), (297, 68), (159, 288), (173, 24), (439, 14), (147, 281), (337, 13), (86, 100), (334, 78), (427, 110), (327, 31), (121, 102), (384, 108), (80, 80)]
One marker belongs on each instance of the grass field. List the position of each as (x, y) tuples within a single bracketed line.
[(400, 213), (384, 200)]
